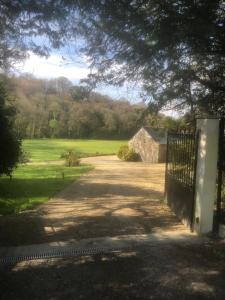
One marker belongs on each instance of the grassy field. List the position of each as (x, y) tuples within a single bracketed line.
[(35, 183), (51, 149)]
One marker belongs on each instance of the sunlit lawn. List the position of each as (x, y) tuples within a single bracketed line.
[(34, 183), (51, 149)]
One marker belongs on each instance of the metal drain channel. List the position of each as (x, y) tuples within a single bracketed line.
[(8, 260)]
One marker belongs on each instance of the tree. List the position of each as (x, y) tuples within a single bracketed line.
[(53, 124), (44, 111), (22, 21), (174, 48), (10, 145), (79, 93)]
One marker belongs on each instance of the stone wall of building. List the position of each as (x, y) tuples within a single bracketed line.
[(146, 147)]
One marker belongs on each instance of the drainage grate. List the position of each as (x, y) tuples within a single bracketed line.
[(71, 252)]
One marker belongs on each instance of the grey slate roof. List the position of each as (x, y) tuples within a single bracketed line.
[(159, 135)]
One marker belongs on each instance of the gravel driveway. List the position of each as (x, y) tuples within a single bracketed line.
[(116, 198), (121, 201)]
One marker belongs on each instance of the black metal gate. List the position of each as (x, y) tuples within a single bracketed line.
[(220, 204), (180, 174)]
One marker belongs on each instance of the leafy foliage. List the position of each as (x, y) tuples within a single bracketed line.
[(122, 151), (9, 142), (24, 157), (21, 21), (174, 49), (79, 93), (127, 154), (71, 158), (131, 155), (46, 108)]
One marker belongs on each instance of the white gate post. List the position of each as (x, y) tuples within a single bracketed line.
[(206, 173)]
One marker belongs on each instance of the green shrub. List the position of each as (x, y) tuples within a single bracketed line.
[(127, 154), (24, 157), (131, 155), (64, 154), (122, 151), (71, 158)]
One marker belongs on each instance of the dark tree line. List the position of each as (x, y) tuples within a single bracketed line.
[(56, 108)]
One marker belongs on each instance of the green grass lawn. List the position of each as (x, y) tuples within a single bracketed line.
[(51, 149), (33, 184)]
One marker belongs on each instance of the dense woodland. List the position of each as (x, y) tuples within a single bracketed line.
[(57, 108)]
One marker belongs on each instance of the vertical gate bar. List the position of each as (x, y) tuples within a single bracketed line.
[(173, 154), (183, 157), (195, 140), (193, 145), (191, 159), (167, 165), (220, 177), (186, 159), (169, 154), (176, 158), (180, 158)]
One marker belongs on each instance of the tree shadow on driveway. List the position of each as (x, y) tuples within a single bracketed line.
[(165, 271), (94, 210)]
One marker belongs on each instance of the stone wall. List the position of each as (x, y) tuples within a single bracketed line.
[(149, 150)]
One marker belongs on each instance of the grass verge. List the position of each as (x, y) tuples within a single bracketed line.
[(33, 184)]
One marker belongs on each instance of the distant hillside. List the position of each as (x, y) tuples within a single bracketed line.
[(57, 108)]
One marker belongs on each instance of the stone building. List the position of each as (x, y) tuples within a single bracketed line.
[(150, 144)]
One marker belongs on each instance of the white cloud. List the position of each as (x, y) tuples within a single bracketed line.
[(55, 66), (52, 67)]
